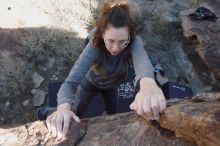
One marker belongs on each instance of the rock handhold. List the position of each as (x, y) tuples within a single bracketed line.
[(208, 97)]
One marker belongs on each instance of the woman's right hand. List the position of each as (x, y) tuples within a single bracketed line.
[(62, 116)]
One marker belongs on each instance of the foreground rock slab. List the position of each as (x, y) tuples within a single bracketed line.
[(186, 122), (196, 120)]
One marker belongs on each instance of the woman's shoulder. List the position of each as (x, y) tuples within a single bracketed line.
[(137, 38), (137, 41), (90, 47), (90, 51), (91, 34)]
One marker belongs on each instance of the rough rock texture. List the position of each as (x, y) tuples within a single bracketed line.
[(197, 119), (207, 36), (186, 122), (162, 34)]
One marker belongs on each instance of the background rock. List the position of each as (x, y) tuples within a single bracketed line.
[(162, 33), (206, 35)]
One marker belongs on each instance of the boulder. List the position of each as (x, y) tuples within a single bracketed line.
[(185, 122), (197, 120), (206, 35)]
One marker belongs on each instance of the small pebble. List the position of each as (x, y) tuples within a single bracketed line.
[(25, 103), (7, 103), (2, 119)]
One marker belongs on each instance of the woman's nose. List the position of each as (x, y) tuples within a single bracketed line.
[(115, 47)]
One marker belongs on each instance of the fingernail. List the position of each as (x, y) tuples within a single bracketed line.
[(78, 120), (59, 136), (54, 135), (147, 118)]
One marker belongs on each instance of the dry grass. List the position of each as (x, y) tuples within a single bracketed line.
[(13, 75), (39, 46)]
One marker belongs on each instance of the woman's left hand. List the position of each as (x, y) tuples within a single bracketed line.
[(149, 101)]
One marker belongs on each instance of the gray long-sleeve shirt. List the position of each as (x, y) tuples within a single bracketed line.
[(82, 68)]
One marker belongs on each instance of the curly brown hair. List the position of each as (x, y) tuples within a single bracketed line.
[(118, 15)]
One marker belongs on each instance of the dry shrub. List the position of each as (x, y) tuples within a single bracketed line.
[(53, 42), (13, 75), (39, 46)]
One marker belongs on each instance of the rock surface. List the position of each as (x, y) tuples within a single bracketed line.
[(186, 122), (207, 36), (197, 120)]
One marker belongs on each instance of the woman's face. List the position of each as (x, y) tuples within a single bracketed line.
[(116, 39)]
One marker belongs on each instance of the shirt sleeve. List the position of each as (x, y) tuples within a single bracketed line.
[(141, 61), (66, 93)]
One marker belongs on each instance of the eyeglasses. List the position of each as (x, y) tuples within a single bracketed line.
[(121, 45)]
